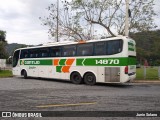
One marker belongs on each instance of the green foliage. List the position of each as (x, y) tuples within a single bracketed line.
[(148, 46), (3, 43), (151, 73), (157, 62), (3, 53), (139, 74), (2, 35), (5, 73)]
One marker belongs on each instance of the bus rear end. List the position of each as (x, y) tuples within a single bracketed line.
[(130, 69)]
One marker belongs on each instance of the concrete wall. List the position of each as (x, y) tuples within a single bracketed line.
[(2, 63)]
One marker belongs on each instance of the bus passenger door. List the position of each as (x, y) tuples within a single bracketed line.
[(16, 63)]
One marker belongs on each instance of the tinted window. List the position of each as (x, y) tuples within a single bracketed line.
[(100, 48), (85, 49), (114, 47), (44, 52), (24, 54), (69, 51), (55, 52), (33, 53), (15, 58)]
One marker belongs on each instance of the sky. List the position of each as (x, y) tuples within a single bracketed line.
[(20, 19)]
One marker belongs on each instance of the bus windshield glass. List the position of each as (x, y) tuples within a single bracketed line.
[(15, 58)]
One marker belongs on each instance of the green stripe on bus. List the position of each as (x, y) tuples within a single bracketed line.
[(131, 49), (129, 43), (124, 61), (79, 61), (58, 68), (62, 62), (131, 46), (132, 61), (36, 62), (106, 61)]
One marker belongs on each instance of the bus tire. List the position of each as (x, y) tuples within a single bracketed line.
[(25, 74), (89, 78), (76, 78)]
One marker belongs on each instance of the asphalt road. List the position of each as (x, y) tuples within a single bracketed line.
[(18, 94)]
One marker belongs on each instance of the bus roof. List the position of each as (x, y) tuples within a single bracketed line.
[(72, 42)]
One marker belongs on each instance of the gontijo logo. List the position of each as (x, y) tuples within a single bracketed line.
[(22, 62), (36, 62), (32, 62), (131, 46)]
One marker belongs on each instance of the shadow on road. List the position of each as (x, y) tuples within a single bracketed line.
[(118, 85), (47, 79)]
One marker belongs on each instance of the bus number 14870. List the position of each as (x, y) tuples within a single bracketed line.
[(108, 61)]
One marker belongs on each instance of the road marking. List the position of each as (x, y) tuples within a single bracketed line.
[(64, 105)]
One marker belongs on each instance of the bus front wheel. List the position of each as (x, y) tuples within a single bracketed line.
[(76, 78), (89, 78), (25, 74)]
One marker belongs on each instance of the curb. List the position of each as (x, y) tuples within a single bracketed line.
[(147, 81)]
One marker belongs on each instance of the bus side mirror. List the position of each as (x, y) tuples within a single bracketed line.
[(9, 60)]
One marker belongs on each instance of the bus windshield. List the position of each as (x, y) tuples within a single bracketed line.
[(15, 58)]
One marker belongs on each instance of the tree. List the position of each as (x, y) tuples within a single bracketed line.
[(3, 53), (147, 46), (77, 17), (69, 22), (111, 14), (2, 35)]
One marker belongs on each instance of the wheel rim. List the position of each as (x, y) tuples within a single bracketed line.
[(90, 78), (76, 77)]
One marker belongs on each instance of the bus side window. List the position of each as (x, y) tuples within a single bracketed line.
[(55, 52), (24, 54), (69, 51), (100, 48), (85, 49), (114, 47), (33, 53), (44, 52)]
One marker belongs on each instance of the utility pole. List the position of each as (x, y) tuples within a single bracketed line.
[(127, 19), (57, 17)]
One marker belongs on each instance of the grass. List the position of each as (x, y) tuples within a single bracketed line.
[(5, 73), (151, 73)]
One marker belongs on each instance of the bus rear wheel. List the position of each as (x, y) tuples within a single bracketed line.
[(89, 78), (76, 78)]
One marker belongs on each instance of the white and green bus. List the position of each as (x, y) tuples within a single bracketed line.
[(111, 60)]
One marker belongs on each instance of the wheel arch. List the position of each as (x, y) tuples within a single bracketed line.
[(74, 72), (22, 71), (89, 72), (76, 78)]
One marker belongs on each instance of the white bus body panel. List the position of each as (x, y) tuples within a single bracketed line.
[(104, 74)]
